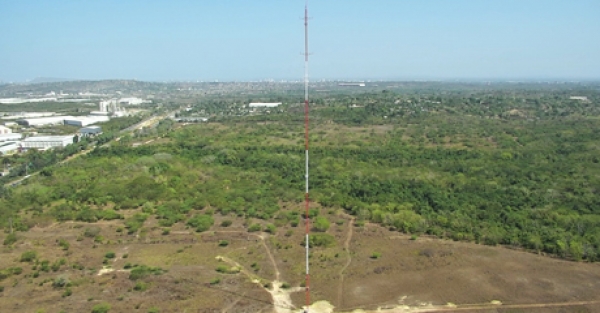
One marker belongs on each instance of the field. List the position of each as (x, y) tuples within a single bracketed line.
[(368, 267), (481, 200)]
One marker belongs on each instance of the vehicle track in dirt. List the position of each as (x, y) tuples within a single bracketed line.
[(340, 297)]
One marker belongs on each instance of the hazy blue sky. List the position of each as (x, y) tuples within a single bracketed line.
[(260, 39)]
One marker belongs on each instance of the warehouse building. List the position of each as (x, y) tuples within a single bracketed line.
[(52, 120), (10, 137), (8, 148), (264, 105), (46, 142), (5, 130), (85, 121), (90, 131)]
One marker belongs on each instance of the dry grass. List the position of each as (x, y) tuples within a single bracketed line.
[(412, 272)]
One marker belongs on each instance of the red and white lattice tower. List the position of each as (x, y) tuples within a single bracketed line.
[(306, 197)]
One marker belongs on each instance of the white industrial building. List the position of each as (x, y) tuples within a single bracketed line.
[(52, 120), (264, 104), (131, 101), (7, 148), (85, 121), (10, 137), (5, 130), (46, 142)]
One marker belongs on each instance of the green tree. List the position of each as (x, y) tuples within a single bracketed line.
[(321, 223)]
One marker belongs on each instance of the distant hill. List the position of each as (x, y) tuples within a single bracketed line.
[(40, 80)]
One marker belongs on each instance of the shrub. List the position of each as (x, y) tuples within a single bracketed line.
[(28, 256), (143, 271), (153, 310), (226, 223), (254, 228), (110, 255), (295, 222), (68, 292), (223, 243), (201, 222), (375, 255), (134, 223), (64, 244), (166, 231), (60, 282), (91, 232), (271, 229), (215, 281), (222, 269), (225, 270), (285, 286), (1, 288), (56, 266), (101, 308), (321, 224), (321, 240), (5, 273), (10, 239), (140, 286)]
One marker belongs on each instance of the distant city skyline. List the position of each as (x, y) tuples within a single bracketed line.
[(257, 40)]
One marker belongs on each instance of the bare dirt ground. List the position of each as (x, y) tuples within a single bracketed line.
[(423, 275)]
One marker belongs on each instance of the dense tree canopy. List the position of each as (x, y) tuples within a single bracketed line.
[(513, 167)]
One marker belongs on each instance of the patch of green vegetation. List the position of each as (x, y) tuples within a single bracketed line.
[(101, 308), (270, 228), (64, 244), (227, 270), (10, 239), (254, 228), (134, 223), (321, 223), (28, 256), (375, 255), (91, 232), (140, 286), (67, 293), (321, 240), (201, 222), (110, 255), (142, 271), (6, 273), (223, 243)]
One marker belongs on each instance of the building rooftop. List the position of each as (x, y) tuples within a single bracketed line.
[(47, 138)]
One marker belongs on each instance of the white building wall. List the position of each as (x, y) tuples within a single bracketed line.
[(46, 142), (5, 130), (264, 105), (10, 137)]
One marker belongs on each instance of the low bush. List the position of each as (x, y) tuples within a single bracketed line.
[(101, 308), (28, 256), (10, 239), (142, 271), (226, 223), (254, 228), (140, 286)]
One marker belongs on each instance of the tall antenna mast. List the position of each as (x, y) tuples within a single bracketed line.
[(306, 198)]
